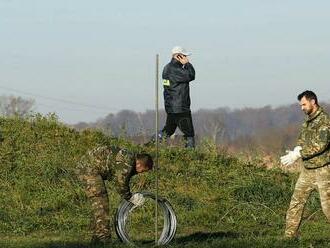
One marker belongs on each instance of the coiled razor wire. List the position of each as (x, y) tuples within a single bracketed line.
[(170, 222)]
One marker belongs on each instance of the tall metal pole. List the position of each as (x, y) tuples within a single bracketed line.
[(157, 145)]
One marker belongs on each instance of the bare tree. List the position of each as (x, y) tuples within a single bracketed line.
[(16, 106), (211, 124), (214, 127)]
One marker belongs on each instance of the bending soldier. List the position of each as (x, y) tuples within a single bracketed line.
[(110, 163)]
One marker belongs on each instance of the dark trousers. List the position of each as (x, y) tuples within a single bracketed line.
[(181, 120)]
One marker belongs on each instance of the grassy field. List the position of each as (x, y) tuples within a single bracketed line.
[(220, 200)]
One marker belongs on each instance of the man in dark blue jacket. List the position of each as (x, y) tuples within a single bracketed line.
[(177, 75)]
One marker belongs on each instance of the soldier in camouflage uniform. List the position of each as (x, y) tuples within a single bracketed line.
[(313, 147), (110, 163)]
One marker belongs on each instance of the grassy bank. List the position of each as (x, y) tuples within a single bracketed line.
[(219, 200)]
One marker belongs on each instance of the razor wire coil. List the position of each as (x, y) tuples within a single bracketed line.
[(170, 221)]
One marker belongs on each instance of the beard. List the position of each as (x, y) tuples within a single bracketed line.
[(308, 111)]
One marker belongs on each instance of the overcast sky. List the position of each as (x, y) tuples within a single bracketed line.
[(84, 59)]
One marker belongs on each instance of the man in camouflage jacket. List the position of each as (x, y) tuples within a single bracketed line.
[(314, 148), (110, 163)]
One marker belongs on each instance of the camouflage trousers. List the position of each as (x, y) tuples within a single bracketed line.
[(309, 180), (97, 193)]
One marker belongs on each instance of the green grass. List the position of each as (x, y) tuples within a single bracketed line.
[(219, 199), (199, 239)]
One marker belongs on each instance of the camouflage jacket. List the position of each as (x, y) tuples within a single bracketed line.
[(314, 138), (111, 163)]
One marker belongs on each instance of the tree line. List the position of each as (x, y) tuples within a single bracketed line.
[(267, 128)]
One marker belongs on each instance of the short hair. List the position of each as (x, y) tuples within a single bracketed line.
[(146, 159), (309, 95)]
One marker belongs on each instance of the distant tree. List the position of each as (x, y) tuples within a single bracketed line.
[(16, 106), (130, 123), (106, 124), (214, 127), (211, 124), (81, 125)]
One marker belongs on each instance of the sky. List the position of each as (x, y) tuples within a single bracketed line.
[(85, 59)]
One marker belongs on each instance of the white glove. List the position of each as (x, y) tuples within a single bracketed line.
[(291, 156), (137, 199)]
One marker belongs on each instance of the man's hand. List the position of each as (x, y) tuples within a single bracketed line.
[(291, 156), (182, 58), (137, 199)]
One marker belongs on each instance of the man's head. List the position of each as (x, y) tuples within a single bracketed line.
[(177, 50), (308, 102), (143, 162), (180, 54)]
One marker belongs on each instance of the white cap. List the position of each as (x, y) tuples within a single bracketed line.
[(181, 50)]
